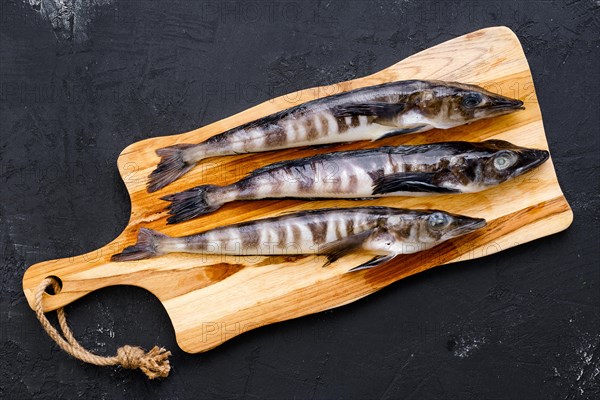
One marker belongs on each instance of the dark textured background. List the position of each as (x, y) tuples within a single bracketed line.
[(82, 81)]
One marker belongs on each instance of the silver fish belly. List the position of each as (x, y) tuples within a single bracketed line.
[(363, 114), (381, 231), (438, 168)]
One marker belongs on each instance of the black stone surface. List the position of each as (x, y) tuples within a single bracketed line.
[(80, 83)]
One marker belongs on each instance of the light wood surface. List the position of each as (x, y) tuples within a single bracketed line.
[(213, 299)]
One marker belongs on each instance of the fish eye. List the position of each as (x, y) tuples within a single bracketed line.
[(471, 100), (438, 220), (504, 159)]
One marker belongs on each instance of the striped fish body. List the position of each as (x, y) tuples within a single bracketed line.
[(381, 231), (438, 168), (334, 119), (363, 114), (351, 174), (293, 234)]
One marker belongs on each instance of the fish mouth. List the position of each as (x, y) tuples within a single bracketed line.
[(504, 105), (531, 159), (468, 225)]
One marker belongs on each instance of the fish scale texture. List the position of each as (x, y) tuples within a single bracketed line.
[(83, 79)]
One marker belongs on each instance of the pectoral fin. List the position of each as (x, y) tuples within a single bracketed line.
[(374, 262), (408, 182), (381, 111), (338, 249)]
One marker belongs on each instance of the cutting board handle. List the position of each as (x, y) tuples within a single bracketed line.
[(71, 276)]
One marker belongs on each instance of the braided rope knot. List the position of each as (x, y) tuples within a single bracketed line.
[(154, 364)]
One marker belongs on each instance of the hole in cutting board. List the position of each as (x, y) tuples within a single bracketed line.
[(49, 289)]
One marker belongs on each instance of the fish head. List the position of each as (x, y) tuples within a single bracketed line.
[(438, 226), (496, 161), (447, 105), (420, 230)]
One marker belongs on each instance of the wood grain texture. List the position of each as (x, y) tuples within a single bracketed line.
[(211, 299)]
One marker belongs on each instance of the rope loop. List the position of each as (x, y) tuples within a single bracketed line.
[(154, 363)]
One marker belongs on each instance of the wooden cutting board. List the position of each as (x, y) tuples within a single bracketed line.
[(212, 299)]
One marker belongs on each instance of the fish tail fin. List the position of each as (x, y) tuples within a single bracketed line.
[(171, 166), (190, 204), (147, 246)]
